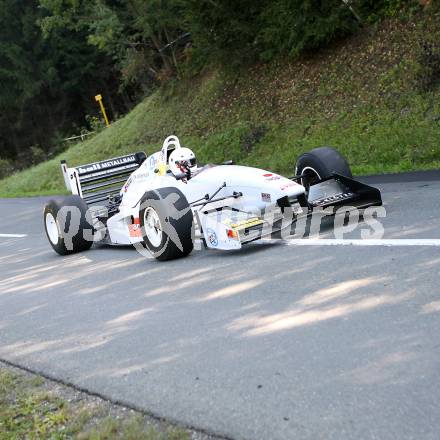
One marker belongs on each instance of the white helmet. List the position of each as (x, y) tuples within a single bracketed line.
[(182, 160)]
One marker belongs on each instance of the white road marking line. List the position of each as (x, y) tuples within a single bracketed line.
[(13, 235), (366, 242)]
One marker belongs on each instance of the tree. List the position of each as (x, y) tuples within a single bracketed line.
[(47, 85), (133, 33)]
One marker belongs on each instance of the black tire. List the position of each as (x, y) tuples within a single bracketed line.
[(176, 223), (63, 240), (320, 163)]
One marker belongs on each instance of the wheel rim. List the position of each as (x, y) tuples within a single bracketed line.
[(52, 228), (153, 227), (310, 177)]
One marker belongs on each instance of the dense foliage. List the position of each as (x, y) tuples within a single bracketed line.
[(47, 85), (55, 55)]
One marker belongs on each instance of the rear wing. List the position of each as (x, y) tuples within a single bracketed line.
[(98, 181)]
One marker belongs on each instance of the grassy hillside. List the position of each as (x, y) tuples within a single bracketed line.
[(375, 96)]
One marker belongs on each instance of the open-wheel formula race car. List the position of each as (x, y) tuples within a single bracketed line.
[(164, 202)]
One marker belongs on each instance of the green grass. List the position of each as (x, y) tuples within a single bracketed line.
[(29, 411), (363, 96)]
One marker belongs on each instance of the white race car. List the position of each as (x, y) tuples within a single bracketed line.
[(164, 203)]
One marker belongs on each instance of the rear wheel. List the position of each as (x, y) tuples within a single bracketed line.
[(167, 223), (320, 163), (68, 225)]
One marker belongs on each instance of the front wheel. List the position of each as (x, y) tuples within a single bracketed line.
[(319, 164), (167, 223)]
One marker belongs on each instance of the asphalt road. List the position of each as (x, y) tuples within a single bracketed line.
[(271, 342)]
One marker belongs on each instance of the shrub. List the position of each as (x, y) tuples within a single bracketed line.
[(6, 168), (428, 75), (292, 26), (374, 10)]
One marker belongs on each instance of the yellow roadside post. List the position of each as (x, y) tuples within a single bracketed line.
[(98, 98)]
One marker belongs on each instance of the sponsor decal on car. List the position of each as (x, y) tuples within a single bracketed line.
[(270, 176), (334, 198), (287, 185), (265, 197), (135, 229), (212, 237), (152, 161), (254, 221), (127, 184), (107, 164)]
